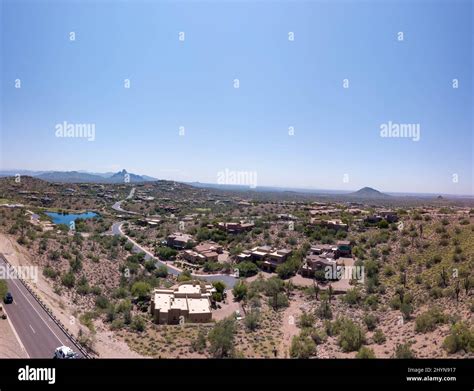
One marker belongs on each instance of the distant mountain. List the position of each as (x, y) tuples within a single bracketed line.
[(82, 176), (124, 177), (69, 177), (368, 192)]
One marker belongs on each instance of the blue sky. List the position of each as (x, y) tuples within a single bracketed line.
[(282, 83)]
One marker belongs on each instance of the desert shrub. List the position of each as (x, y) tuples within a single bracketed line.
[(101, 302), (324, 310), (138, 323), (49, 272), (395, 302), (199, 343), (319, 335), (352, 296), (306, 320), (68, 280), (351, 335), (280, 300), (3, 288), (461, 338), (379, 337), (404, 351), (370, 321), (371, 301), (429, 320), (302, 346), (221, 338), (365, 352), (252, 320)]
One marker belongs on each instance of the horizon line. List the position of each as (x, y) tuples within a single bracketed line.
[(282, 187)]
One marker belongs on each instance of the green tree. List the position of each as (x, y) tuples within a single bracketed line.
[(221, 338), (351, 335), (252, 320), (240, 290), (141, 289), (302, 346), (247, 269), (161, 271)]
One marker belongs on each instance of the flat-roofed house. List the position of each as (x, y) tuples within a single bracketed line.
[(178, 240), (325, 250), (193, 256), (276, 258), (260, 253), (245, 255), (313, 263), (188, 302), (209, 250), (235, 227)]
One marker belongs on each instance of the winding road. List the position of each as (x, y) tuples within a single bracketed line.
[(116, 229)]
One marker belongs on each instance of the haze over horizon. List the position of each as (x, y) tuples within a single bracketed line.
[(296, 189), (282, 83)]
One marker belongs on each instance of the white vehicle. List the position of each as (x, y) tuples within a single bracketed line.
[(237, 315), (65, 353)]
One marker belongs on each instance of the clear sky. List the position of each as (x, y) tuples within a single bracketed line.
[(336, 142)]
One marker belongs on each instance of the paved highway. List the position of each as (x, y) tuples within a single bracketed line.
[(39, 335)]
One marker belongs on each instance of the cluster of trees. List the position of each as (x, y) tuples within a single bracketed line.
[(351, 336), (274, 288)]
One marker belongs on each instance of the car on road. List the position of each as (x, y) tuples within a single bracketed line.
[(8, 299), (64, 352)]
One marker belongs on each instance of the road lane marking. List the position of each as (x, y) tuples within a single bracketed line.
[(32, 329), (37, 312)]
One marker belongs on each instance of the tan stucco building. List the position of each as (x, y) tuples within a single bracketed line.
[(188, 302)]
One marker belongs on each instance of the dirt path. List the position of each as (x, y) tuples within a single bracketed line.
[(289, 324)]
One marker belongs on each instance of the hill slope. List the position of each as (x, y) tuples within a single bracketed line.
[(368, 192)]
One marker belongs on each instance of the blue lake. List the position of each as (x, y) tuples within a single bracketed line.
[(59, 218)]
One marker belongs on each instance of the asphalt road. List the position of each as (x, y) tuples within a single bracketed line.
[(38, 333), (228, 280)]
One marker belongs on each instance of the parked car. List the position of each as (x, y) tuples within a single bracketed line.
[(64, 352), (8, 299)]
